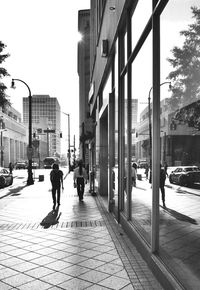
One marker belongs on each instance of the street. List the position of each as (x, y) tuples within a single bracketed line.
[(21, 206), (11, 193)]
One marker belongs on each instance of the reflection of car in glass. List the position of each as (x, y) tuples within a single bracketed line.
[(49, 161), (20, 165), (142, 164), (185, 175), (5, 177), (35, 165)]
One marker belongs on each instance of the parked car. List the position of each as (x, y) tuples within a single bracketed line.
[(5, 177), (185, 175), (35, 165), (20, 165), (49, 161), (142, 164)]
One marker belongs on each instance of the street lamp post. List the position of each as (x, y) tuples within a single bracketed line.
[(150, 133), (30, 180)]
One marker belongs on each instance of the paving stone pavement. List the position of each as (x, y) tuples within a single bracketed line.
[(77, 246)]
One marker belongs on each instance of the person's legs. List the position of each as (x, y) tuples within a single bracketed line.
[(82, 187), (162, 188), (54, 196), (78, 187), (58, 195)]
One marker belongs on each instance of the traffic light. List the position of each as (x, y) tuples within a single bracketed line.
[(34, 135), (60, 135)]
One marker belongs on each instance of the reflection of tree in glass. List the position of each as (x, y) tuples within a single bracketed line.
[(186, 64), (3, 73), (189, 115)]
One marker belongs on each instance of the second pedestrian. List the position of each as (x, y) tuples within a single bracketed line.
[(80, 179)]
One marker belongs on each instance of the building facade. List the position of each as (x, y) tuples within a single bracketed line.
[(14, 137), (45, 122), (84, 82), (128, 61)]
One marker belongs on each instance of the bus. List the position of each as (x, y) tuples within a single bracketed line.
[(49, 161)]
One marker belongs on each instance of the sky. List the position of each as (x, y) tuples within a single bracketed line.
[(41, 37)]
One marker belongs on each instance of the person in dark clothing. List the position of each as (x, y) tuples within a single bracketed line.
[(165, 167), (56, 177), (80, 179), (162, 184), (10, 167), (134, 173)]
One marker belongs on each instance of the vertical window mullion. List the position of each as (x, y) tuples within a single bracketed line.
[(129, 118), (155, 131)]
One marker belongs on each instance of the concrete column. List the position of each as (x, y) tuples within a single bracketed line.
[(6, 151), (12, 151)]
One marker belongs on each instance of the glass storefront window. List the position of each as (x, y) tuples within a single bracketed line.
[(139, 19), (106, 91), (141, 86), (180, 140)]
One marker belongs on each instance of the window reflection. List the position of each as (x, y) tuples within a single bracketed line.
[(180, 139), (141, 84), (139, 19)]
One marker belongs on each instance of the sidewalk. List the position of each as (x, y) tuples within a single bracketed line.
[(75, 247)]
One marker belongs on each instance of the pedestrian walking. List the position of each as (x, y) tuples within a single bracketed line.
[(10, 167), (166, 167), (134, 173), (162, 184), (56, 177), (80, 179), (146, 171)]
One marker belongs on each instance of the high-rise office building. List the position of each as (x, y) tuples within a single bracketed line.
[(45, 117)]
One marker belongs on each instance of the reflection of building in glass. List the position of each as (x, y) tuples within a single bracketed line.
[(46, 115), (179, 141), (134, 121)]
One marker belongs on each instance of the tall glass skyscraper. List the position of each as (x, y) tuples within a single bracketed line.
[(45, 116)]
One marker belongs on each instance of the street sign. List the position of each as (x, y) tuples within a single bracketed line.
[(49, 131)]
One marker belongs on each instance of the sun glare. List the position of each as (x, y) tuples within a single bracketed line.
[(79, 37)]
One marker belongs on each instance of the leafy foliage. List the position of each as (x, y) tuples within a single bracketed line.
[(186, 64), (189, 115), (3, 72)]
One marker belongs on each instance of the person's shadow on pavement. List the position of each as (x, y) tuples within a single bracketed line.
[(180, 216), (51, 219)]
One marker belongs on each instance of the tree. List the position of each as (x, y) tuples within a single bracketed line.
[(3, 72), (186, 63)]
